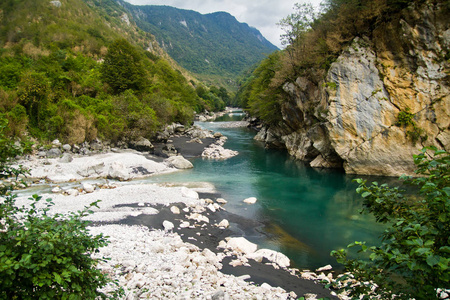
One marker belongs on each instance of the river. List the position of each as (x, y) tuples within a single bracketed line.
[(306, 212)]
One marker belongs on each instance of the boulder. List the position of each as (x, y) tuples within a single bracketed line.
[(66, 158), (118, 171), (175, 210), (168, 225), (142, 144), (179, 162), (54, 152), (188, 193), (251, 200), (224, 223), (66, 147), (88, 188), (241, 244), (273, 256), (56, 143)]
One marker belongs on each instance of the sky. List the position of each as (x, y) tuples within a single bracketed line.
[(261, 14)]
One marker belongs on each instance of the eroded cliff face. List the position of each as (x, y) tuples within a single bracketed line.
[(350, 119)]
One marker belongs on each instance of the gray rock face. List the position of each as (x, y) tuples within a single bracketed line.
[(56, 3), (350, 119)]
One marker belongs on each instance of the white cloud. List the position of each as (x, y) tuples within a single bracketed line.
[(261, 14)]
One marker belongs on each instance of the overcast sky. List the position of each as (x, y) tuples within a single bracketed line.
[(261, 14)]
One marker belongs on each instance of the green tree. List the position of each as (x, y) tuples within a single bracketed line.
[(413, 259), (43, 256), (123, 68)]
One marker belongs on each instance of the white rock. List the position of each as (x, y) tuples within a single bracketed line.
[(179, 162), (88, 188), (188, 193), (56, 190), (141, 204), (241, 244), (72, 192), (221, 201), (251, 200), (266, 286), (118, 171), (273, 256), (211, 207), (325, 268), (168, 225), (224, 223), (184, 224), (175, 210)]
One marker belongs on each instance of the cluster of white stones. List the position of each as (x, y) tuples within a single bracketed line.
[(159, 265)]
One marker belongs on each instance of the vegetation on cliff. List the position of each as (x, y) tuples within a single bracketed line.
[(77, 70), (314, 40)]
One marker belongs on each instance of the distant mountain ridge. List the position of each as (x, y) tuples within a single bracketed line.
[(209, 44)]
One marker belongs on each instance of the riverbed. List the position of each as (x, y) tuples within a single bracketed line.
[(305, 213)]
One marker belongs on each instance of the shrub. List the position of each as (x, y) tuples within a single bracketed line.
[(413, 259), (43, 256)]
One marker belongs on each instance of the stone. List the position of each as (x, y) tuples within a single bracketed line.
[(96, 145), (88, 188), (118, 171), (241, 244), (56, 143), (184, 224), (56, 190), (142, 144), (224, 223), (66, 147), (175, 210), (168, 225), (211, 207), (221, 201), (188, 193), (251, 200), (54, 152), (273, 256), (219, 295), (72, 192), (42, 154), (324, 268), (179, 162), (56, 3), (66, 158)]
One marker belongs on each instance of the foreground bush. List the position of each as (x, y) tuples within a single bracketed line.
[(43, 256), (413, 259)]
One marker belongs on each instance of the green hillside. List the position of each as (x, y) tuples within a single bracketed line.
[(77, 70), (212, 46)]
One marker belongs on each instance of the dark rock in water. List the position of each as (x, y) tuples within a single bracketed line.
[(141, 170), (141, 145)]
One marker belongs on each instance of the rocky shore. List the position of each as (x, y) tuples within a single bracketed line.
[(167, 241)]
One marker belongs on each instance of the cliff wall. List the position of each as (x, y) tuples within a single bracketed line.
[(381, 101)]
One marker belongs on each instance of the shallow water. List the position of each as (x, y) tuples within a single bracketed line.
[(307, 212)]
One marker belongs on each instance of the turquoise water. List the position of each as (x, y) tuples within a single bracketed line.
[(307, 212)]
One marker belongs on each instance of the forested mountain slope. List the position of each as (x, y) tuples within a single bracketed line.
[(363, 86), (77, 70), (213, 45)]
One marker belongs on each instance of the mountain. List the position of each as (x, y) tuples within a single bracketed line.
[(213, 44), (78, 70)]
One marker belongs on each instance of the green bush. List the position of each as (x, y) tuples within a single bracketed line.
[(413, 259), (44, 256)]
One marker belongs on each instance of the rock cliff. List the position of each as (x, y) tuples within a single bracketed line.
[(381, 101)]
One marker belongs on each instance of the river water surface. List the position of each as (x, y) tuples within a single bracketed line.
[(307, 212)]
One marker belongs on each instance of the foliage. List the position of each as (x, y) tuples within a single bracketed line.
[(43, 256), (123, 68), (67, 72), (413, 259), (257, 94), (406, 119)]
